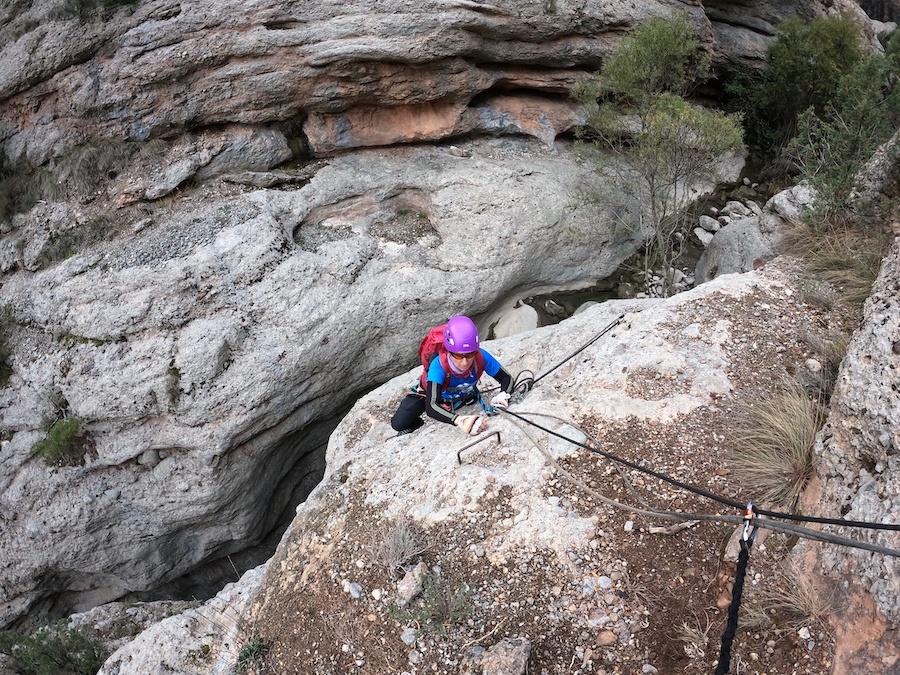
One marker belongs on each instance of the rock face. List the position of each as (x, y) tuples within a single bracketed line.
[(515, 508), (860, 475), (201, 347), (335, 76), (208, 639), (200, 352)]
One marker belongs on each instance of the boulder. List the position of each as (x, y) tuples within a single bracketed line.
[(740, 247), (518, 320), (208, 639)]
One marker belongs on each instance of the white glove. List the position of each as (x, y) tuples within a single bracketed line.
[(471, 424), (501, 400)]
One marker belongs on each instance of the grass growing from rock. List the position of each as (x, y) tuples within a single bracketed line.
[(841, 252), (441, 603), (252, 654), (791, 601), (394, 544), (63, 443), (776, 459), (54, 650), (84, 9)]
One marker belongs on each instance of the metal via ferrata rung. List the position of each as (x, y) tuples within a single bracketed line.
[(475, 442)]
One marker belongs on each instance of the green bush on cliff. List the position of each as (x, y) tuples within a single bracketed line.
[(654, 145), (832, 144), (804, 68), (84, 9), (53, 650), (21, 189), (64, 443), (6, 323)]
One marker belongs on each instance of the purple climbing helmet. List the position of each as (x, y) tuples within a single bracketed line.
[(461, 335)]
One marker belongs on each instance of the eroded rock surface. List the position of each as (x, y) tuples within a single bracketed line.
[(517, 517), (200, 351), (336, 76), (860, 479)]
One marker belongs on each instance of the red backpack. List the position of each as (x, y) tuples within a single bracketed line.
[(433, 345)]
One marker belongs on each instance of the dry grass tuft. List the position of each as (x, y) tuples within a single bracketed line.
[(777, 435), (695, 637), (845, 254), (830, 349), (792, 601), (394, 544)]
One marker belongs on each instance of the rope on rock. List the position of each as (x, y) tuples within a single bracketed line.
[(525, 380), (706, 493), (765, 523), (612, 324), (737, 591), (750, 521)]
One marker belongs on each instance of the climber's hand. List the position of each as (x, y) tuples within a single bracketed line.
[(471, 424), (501, 400)]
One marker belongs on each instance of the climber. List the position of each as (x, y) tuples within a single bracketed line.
[(452, 363)]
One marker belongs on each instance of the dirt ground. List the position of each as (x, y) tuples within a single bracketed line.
[(636, 600)]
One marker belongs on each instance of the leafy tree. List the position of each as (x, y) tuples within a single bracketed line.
[(804, 69), (661, 55), (655, 145), (832, 144)]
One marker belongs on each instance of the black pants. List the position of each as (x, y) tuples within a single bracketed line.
[(409, 413)]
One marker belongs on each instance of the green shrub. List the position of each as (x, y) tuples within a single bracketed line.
[(833, 144), (64, 444), (662, 55), (892, 44), (655, 146), (54, 650), (804, 68), (252, 654), (6, 324), (441, 603)]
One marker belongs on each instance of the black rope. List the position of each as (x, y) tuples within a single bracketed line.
[(615, 322), (632, 465), (736, 593), (524, 383), (706, 493)]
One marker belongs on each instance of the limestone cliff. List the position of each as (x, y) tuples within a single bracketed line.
[(205, 299)]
